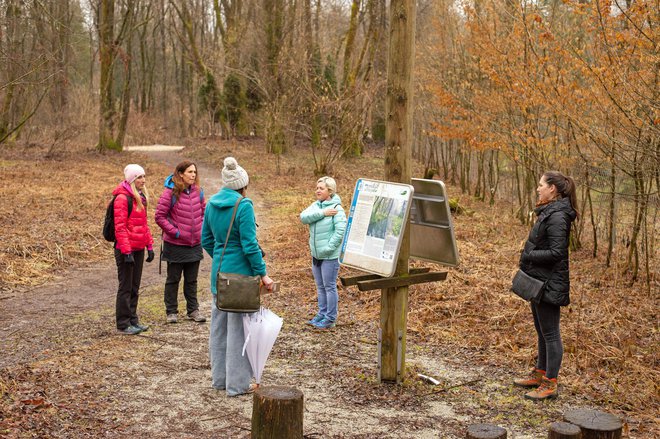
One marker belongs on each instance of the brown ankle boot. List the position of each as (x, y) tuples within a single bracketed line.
[(547, 390), (531, 380)]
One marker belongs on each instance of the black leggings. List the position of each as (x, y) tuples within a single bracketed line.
[(174, 271), (550, 348), (128, 291)]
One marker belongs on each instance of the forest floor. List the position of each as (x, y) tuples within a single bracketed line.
[(66, 373)]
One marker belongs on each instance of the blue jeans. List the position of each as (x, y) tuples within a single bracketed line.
[(550, 348), (325, 276)]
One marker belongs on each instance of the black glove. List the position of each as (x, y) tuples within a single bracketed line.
[(150, 255), (128, 259)]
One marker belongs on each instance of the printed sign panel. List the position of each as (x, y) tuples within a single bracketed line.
[(376, 221)]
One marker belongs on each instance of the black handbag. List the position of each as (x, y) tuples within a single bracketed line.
[(527, 287), (236, 292)]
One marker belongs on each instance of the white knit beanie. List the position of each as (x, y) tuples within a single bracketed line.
[(132, 171), (233, 176)]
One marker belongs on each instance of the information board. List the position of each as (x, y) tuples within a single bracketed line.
[(431, 227), (376, 220)]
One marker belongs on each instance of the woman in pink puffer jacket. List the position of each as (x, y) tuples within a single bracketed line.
[(180, 213)]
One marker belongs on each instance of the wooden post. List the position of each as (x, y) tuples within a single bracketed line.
[(485, 431), (564, 430), (398, 147), (277, 413), (595, 424)]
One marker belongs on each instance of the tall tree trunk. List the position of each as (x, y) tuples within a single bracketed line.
[(398, 137), (611, 215), (107, 50)]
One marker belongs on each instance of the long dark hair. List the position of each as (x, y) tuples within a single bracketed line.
[(179, 185), (565, 187)]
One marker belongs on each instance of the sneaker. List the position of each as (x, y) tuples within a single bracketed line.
[(317, 318), (531, 380), (547, 390), (141, 327), (325, 324), (130, 330), (196, 316), (172, 318)]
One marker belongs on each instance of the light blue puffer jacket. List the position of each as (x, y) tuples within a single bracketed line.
[(325, 232)]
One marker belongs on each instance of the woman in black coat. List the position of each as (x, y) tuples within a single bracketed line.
[(545, 257)]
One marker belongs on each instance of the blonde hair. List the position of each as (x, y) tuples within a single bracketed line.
[(138, 198), (330, 183)]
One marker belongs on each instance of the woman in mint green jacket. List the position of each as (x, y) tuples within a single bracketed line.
[(327, 223)]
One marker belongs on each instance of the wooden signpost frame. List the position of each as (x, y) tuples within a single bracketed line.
[(392, 354)]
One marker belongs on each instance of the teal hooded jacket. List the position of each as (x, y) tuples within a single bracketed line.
[(325, 232), (243, 254)]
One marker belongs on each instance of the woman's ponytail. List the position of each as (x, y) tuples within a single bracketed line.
[(565, 187)]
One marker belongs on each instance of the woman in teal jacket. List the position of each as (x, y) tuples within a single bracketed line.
[(230, 370), (327, 224)]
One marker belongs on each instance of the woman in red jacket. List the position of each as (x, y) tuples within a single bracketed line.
[(132, 236)]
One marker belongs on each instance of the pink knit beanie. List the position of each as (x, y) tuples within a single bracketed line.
[(132, 171)]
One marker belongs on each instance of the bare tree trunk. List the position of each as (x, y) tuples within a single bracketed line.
[(398, 138), (611, 230), (107, 49)]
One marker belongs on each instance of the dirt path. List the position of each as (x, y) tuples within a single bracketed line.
[(60, 337), (26, 332)]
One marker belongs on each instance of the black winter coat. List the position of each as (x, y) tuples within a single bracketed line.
[(547, 249)]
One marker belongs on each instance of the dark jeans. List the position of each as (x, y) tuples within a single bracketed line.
[(129, 276), (550, 348), (174, 271)]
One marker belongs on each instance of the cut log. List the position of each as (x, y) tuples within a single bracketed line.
[(277, 412), (485, 431), (595, 424), (564, 430)]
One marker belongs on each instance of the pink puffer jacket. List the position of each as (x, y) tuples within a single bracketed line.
[(181, 219)]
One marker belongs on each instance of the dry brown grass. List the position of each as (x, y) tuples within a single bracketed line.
[(52, 214), (52, 210)]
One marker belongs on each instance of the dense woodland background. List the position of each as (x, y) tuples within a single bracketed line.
[(504, 90)]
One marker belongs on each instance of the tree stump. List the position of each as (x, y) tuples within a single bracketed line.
[(595, 424), (277, 412), (564, 430), (485, 431)]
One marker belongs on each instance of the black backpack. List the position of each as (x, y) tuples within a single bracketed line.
[(109, 223)]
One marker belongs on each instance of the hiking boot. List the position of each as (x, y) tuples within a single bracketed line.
[(325, 324), (316, 319), (142, 328), (130, 330), (172, 318), (196, 316), (547, 390), (531, 380)]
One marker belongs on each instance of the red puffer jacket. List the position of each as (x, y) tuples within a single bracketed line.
[(132, 233)]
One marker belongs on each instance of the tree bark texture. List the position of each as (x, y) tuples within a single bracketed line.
[(564, 430), (277, 413), (485, 431), (107, 54), (398, 141), (595, 424)]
